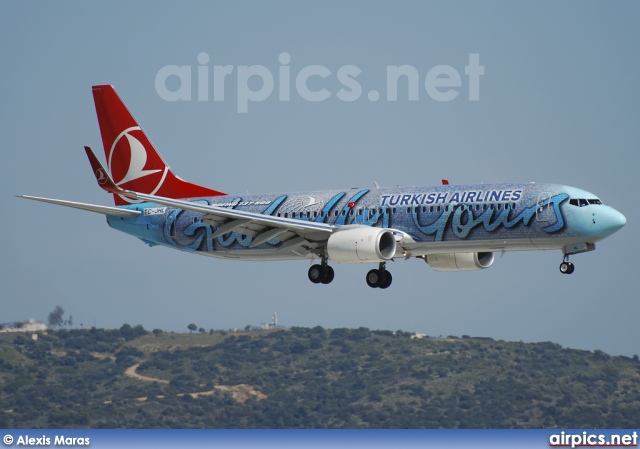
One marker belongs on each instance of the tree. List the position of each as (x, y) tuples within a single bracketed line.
[(192, 327), (55, 317)]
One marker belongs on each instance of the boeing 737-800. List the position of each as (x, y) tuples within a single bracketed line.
[(451, 227)]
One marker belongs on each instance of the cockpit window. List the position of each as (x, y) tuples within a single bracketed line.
[(581, 202)]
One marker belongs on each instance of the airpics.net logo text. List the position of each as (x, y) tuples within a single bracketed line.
[(256, 83)]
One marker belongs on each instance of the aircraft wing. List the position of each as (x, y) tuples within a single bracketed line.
[(261, 227), (293, 233), (302, 237)]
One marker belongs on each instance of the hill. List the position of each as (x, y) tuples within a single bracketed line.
[(307, 378)]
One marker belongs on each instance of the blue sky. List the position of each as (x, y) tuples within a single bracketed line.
[(558, 102)]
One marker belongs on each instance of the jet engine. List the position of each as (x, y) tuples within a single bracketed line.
[(361, 244), (460, 261)]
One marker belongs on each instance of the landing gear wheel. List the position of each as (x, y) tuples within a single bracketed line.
[(375, 278), (379, 278), (316, 273), (321, 274), (328, 275), (387, 280), (566, 268)]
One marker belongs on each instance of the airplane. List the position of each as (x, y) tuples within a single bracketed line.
[(450, 227)]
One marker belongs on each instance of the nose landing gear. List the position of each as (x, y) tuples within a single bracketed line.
[(566, 267)]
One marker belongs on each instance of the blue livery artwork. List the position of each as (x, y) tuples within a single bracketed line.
[(451, 227)]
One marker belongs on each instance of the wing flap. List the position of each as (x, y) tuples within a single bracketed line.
[(266, 236)]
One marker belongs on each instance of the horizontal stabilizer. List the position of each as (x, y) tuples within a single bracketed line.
[(106, 210)]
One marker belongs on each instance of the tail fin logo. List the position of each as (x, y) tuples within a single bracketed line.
[(132, 160), (101, 176), (129, 163)]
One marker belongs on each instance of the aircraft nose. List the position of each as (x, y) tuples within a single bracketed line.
[(612, 220)]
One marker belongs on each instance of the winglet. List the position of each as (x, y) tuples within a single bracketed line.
[(102, 175)]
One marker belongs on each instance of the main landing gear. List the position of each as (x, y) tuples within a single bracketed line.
[(379, 278), (321, 273), (566, 267)]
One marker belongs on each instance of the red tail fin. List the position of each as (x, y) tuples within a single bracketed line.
[(132, 160)]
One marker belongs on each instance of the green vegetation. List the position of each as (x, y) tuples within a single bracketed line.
[(307, 378)]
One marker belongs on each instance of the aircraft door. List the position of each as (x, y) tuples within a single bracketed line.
[(544, 210)]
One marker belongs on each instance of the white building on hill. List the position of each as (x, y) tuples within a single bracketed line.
[(30, 325)]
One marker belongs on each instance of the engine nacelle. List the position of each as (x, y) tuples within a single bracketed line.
[(361, 244), (460, 261)]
